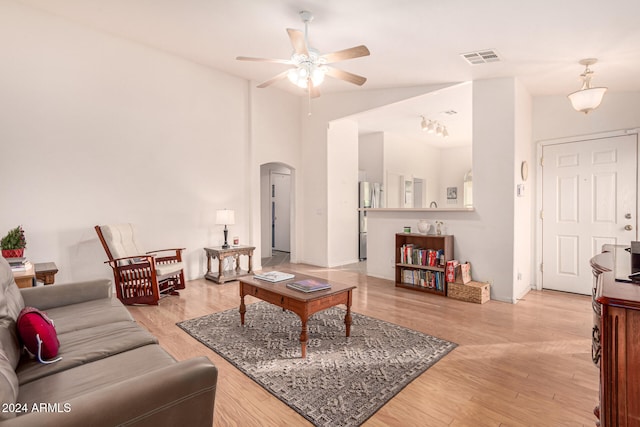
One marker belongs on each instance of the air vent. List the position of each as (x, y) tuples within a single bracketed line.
[(481, 57)]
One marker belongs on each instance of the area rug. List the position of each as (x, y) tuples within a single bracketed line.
[(343, 381)]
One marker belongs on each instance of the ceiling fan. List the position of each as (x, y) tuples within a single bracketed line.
[(308, 66)]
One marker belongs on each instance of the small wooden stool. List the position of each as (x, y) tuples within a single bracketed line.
[(46, 272)]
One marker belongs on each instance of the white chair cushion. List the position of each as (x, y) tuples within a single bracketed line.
[(120, 240), (166, 269)]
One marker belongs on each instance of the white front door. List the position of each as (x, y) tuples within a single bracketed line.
[(589, 194)]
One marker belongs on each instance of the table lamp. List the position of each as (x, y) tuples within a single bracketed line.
[(225, 217)]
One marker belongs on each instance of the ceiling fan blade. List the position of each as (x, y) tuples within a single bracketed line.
[(298, 42), (341, 55), (277, 61), (346, 76), (274, 79)]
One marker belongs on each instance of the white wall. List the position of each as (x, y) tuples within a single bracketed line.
[(95, 129), (554, 118), (342, 186), (523, 220), (412, 159), (455, 163), (484, 237), (274, 141), (329, 107), (371, 156)]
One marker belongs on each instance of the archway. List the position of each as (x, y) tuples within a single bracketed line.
[(277, 183)]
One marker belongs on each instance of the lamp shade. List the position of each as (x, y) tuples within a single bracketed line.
[(585, 100), (225, 217)]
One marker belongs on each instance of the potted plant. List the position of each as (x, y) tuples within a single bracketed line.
[(13, 243)]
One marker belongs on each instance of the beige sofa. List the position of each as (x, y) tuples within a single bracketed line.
[(112, 372)]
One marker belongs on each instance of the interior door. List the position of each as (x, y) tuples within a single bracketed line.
[(281, 211), (589, 198)]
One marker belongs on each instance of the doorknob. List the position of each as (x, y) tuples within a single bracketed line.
[(628, 227), (627, 216)]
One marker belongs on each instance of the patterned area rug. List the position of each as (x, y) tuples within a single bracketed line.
[(343, 381)]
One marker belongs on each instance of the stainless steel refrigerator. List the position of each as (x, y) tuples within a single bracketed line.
[(364, 201)]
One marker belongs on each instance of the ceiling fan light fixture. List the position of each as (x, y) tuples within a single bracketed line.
[(298, 76), (587, 98), (445, 133), (309, 67), (317, 76)]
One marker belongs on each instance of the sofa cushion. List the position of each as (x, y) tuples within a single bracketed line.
[(85, 346), (83, 379), (8, 387), (88, 314), (38, 334), (9, 345), (11, 301), (46, 297), (120, 240), (169, 268)]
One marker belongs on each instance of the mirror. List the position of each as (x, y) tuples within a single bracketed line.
[(419, 169)]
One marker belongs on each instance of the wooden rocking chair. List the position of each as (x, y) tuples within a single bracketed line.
[(140, 277)]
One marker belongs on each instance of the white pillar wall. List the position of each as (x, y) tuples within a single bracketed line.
[(485, 237)]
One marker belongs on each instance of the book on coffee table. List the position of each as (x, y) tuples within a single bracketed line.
[(273, 276), (309, 285)]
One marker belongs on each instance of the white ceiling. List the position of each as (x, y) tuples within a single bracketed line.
[(412, 42), (451, 106)]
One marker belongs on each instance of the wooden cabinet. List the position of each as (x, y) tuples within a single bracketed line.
[(413, 269), (616, 345)]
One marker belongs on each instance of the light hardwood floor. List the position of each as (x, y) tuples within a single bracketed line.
[(525, 364)]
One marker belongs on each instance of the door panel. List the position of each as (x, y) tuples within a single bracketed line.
[(589, 195), (281, 208)]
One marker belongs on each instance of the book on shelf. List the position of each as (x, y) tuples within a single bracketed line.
[(273, 276), (410, 254), (423, 278), (309, 285)]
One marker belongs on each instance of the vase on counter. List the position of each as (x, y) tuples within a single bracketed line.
[(424, 226)]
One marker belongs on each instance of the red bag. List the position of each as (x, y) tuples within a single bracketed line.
[(38, 334)]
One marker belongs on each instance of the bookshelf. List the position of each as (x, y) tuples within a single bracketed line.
[(415, 265)]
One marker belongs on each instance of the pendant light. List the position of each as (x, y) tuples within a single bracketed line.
[(587, 98)]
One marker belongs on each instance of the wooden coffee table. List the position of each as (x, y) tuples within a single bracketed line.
[(301, 303)]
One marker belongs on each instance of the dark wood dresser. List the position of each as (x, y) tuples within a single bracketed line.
[(616, 343)]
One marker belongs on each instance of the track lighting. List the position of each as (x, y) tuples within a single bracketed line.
[(434, 126)]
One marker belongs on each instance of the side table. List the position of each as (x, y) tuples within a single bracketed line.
[(24, 279), (221, 253)]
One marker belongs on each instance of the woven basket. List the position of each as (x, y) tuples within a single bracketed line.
[(477, 292)]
